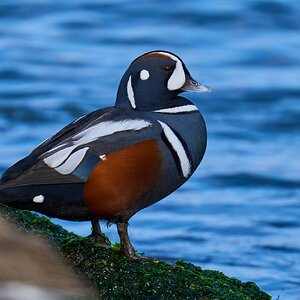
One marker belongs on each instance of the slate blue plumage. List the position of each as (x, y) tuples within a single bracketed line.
[(59, 177)]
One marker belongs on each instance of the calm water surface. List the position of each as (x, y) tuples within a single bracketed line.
[(240, 212)]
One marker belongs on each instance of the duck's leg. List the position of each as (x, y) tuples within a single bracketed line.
[(97, 234), (126, 246)]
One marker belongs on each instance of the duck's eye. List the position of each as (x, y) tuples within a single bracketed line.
[(167, 68)]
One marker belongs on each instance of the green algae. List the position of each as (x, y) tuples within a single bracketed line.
[(115, 277)]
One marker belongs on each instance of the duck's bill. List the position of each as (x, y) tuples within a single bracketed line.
[(191, 85)]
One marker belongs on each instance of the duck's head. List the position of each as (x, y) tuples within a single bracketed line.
[(154, 80)]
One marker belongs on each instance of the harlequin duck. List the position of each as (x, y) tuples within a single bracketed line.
[(115, 161)]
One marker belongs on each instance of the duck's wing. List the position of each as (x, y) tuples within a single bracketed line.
[(33, 158), (71, 154)]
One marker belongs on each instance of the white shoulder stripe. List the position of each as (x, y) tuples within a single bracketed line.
[(130, 93), (185, 163), (177, 109)]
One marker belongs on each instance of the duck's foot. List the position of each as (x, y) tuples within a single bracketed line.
[(126, 246), (97, 235), (141, 258)]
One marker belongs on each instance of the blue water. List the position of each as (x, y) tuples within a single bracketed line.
[(240, 212)]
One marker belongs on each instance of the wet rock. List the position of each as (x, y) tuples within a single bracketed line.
[(115, 277)]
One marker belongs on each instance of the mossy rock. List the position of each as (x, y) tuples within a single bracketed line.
[(115, 277)]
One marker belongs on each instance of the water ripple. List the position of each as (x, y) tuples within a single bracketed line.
[(252, 180)]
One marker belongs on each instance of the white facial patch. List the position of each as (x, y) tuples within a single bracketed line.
[(130, 93), (38, 199), (185, 163), (144, 75), (177, 79)]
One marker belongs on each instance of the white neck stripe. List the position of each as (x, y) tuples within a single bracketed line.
[(185, 163), (177, 109), (130, 93)]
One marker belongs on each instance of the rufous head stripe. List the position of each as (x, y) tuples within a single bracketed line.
[(159, 54)]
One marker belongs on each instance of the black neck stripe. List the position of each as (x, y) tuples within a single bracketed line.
[(174, 153)]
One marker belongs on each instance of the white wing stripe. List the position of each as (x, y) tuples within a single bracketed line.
[(178, 147), (107, 128), (58, 157), (72, 162), (65, 163)]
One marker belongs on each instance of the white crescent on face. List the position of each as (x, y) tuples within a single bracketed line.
[(175, 82), (177, 79)]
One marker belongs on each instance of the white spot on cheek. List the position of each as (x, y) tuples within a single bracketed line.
[(130, 93), (39, 199), (144, 75)]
